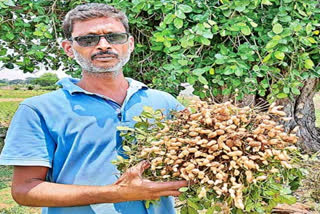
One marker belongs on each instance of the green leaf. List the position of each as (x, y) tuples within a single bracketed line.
[(38, 33), (285, 191), (199, 71), (309, 28), (266, 2), (191, 210), (246, 30), (302, 12), (203, 80), (169, 18), (205, 41), (295, 91), (253, 24), (180, 14), (249, 205), (48, 35), (147, 203), (271, 44), (211, 22), (124, 128), (288, 199), (206, 25), (126, 148), (185, 8), (286, 90), (10, 36), (178, 23), (183, 62), (308, 64), (238, 72), (305, 41), (266, 59), (277, 28), (184, 210), (282, 95), (3, 5), (9, 3), (192, 204), (279, 55), (210, 210), (312, 40), (167, 43), (183, 189)]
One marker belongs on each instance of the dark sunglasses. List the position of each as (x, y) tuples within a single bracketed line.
[(93, 40)]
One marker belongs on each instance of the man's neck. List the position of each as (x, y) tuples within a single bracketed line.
[(107, 84)]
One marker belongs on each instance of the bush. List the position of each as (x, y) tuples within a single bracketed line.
[(46, 80), (30, 87)]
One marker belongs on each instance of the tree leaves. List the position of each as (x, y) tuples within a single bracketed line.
[(185, 8), (277, 28), (308, 64), (178, 23), (279, 55), (261, 39), (245, 30)]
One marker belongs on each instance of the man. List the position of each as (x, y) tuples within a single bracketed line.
[(62, 143)]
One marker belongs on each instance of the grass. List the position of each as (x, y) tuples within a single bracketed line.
[(7, 204), (7, 109), (20, 93)]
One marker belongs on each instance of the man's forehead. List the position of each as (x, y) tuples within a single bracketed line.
[(97, 26)]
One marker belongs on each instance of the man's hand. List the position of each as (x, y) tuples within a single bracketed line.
[(132, 186)]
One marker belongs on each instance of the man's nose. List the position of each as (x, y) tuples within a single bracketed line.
[(103, 44)]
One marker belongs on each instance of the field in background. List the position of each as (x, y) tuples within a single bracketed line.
[(22, 94), (9, 101)]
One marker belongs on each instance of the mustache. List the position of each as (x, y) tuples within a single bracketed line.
[(103, 53)]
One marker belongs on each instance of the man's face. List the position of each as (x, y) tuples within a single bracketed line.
[(103, 57)]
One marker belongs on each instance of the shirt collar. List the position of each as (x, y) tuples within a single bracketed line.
[(70, 85)]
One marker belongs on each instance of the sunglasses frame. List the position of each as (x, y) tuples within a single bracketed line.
[(106, 36)]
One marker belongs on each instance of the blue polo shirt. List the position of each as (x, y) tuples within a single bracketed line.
[(74, 133)]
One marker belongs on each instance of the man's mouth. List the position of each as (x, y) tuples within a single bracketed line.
[(104, 57)]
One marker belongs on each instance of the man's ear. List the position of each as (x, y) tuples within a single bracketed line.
[(131, 44), (67, 47)]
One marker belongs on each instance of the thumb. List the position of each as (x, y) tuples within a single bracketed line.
[(141, 167)]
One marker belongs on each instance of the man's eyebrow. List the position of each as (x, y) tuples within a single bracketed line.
[(87, 34), (95, 33)]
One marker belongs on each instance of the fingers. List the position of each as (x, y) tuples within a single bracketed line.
[(156, 196), (170, 193), (167, 186), (138, 169)]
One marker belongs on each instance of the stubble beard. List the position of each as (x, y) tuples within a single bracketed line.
[(90, 68)]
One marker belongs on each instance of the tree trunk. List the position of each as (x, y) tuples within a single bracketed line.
[(303, 113)]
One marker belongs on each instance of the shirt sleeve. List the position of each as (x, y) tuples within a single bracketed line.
[(173, 104), (28, 141)]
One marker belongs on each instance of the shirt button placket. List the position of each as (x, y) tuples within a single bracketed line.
[(119, 114)]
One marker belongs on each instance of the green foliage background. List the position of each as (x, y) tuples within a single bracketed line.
[(47, 79), (261, 47)]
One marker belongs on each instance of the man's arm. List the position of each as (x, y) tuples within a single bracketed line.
[(29, 188)]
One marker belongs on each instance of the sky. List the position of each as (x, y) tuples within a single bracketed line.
[(12, 74)]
